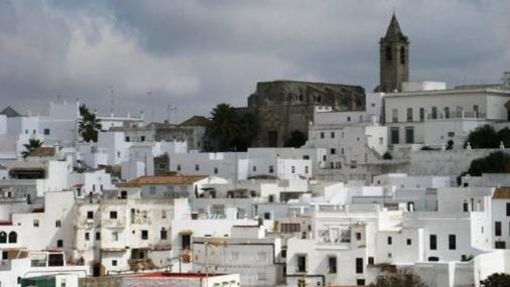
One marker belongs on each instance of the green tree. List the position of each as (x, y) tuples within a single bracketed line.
[(484, 137), (32, 145), (496, 280), (504, 136), (222, 128), (297, 139), (400, 278), (496, 162), (247, 130), (89, 125)]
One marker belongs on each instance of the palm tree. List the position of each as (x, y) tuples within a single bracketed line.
[(89, 125), (247, 130), (32, 145), (222, 128)]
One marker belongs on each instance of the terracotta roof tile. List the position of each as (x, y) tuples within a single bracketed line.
[(43, 151), (502, 193), (162, 180)]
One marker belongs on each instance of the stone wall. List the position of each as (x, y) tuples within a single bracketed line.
[(286, 106)]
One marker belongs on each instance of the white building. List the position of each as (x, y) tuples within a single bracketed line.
[(430, 114)]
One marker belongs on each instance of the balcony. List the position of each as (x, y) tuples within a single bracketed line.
[(113, 223)]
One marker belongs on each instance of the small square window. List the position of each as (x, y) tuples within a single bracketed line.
[(145, 234), (98, 235), (113, 214), (46, 132), (60, 243), (90, 214), (58, 223), (408, 241), (114, 262), (36, 222)]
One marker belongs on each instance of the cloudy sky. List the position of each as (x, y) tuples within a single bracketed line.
[(194, 54)]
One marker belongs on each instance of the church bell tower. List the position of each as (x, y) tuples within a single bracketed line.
[(394, 59)]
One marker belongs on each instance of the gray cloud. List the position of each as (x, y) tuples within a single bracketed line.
[(193, 54)]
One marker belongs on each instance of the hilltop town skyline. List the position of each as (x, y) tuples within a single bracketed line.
[(196, 54)]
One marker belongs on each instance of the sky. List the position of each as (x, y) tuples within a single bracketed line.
[(191, 55)]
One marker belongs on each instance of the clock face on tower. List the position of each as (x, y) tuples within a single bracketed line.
[(271, 118)]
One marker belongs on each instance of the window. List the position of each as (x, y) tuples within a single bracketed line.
[(394, 132), (90, 214), (390, 240), (348, 119), (394, 115), (452, 242), (451, 134), (197, 167), (293, 169), (114, 262), (465, 206), (508, 209), (163, 234), (497, 228), (145, 234), (87, 236), (422, 114), (409, 114), (434, 112), (403, 56), (360, 282), (332, 151), (409, 135), (408, 241), (301, 263), (127, 139), (332, 264), (58, 223), (98, 235), (13, 237), (46, 131), (387, 54), (446, 112), (271, 169), (359, 265), (60, 243), (36, 222), (332, 135), (358, 236), (322, 135), (56, 259), (370, 260), (215, 170), (475, 110), (433, 242), (142, 138), (178, 167), (113, 214), (306, 169), (254, 168), (267, 215)]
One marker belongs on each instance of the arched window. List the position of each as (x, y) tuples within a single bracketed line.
[(13, 237), (3, 237), (389, 56), (402, 56)]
